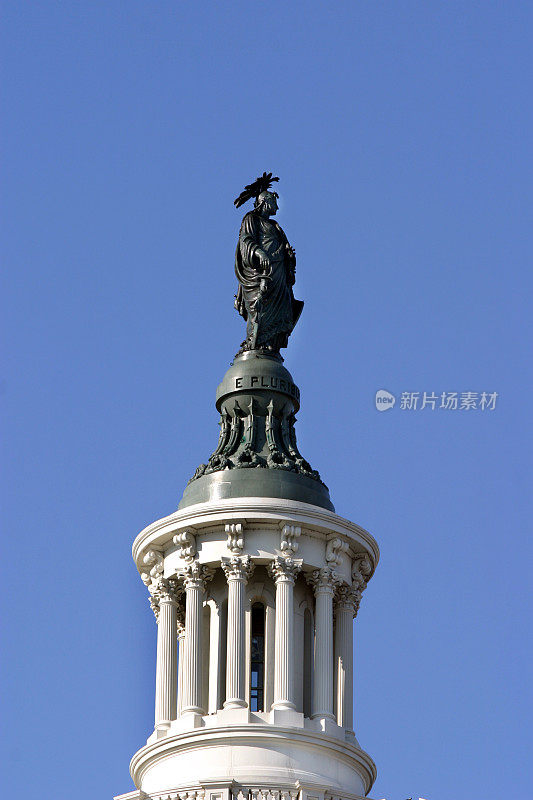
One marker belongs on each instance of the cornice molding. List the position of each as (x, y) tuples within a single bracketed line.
[(159, 534)]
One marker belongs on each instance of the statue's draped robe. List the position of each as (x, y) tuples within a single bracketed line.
[(273, 311)]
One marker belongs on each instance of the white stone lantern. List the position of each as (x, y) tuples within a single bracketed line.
[(255, 582)]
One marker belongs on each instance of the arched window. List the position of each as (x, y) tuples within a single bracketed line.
[(257, 660)]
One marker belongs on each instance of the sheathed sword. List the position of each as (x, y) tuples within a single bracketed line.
[(255, 328)]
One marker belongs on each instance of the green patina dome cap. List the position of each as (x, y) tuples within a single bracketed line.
[(257, 454)]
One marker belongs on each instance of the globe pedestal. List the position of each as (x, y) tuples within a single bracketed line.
[(257, 454)]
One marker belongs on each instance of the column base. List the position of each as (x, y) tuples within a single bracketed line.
[(349, 735), (231, 715), (160, 731), (327, 724), (287, 717), (235, 703), (189, 719), (284, 705), (324, 715)]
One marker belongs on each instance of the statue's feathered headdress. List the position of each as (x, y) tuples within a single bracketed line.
[(254, 189)]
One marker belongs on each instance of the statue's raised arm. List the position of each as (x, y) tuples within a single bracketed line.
[(265, 266)]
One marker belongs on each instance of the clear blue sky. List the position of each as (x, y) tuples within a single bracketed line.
[(402, 134)]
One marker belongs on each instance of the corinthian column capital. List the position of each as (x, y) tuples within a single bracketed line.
[(323, 580), (196, 575), (361, 571), (180, 622), (284, 569), (346, 598), (167, 590), (237, 568), (163, 590), (154, 605)]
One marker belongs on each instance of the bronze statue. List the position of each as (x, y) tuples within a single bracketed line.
[(265, 266), (257, 453)]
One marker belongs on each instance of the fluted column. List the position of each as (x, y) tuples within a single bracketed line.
[(194, 578), (238, 570), (165, 596), (361, 572), (284, 571), (323, 582), (344, 613), (181, 647)]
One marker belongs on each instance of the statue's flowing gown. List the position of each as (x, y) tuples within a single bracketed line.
[(274, 310)]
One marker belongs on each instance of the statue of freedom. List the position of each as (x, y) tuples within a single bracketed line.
[(265, 265)]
